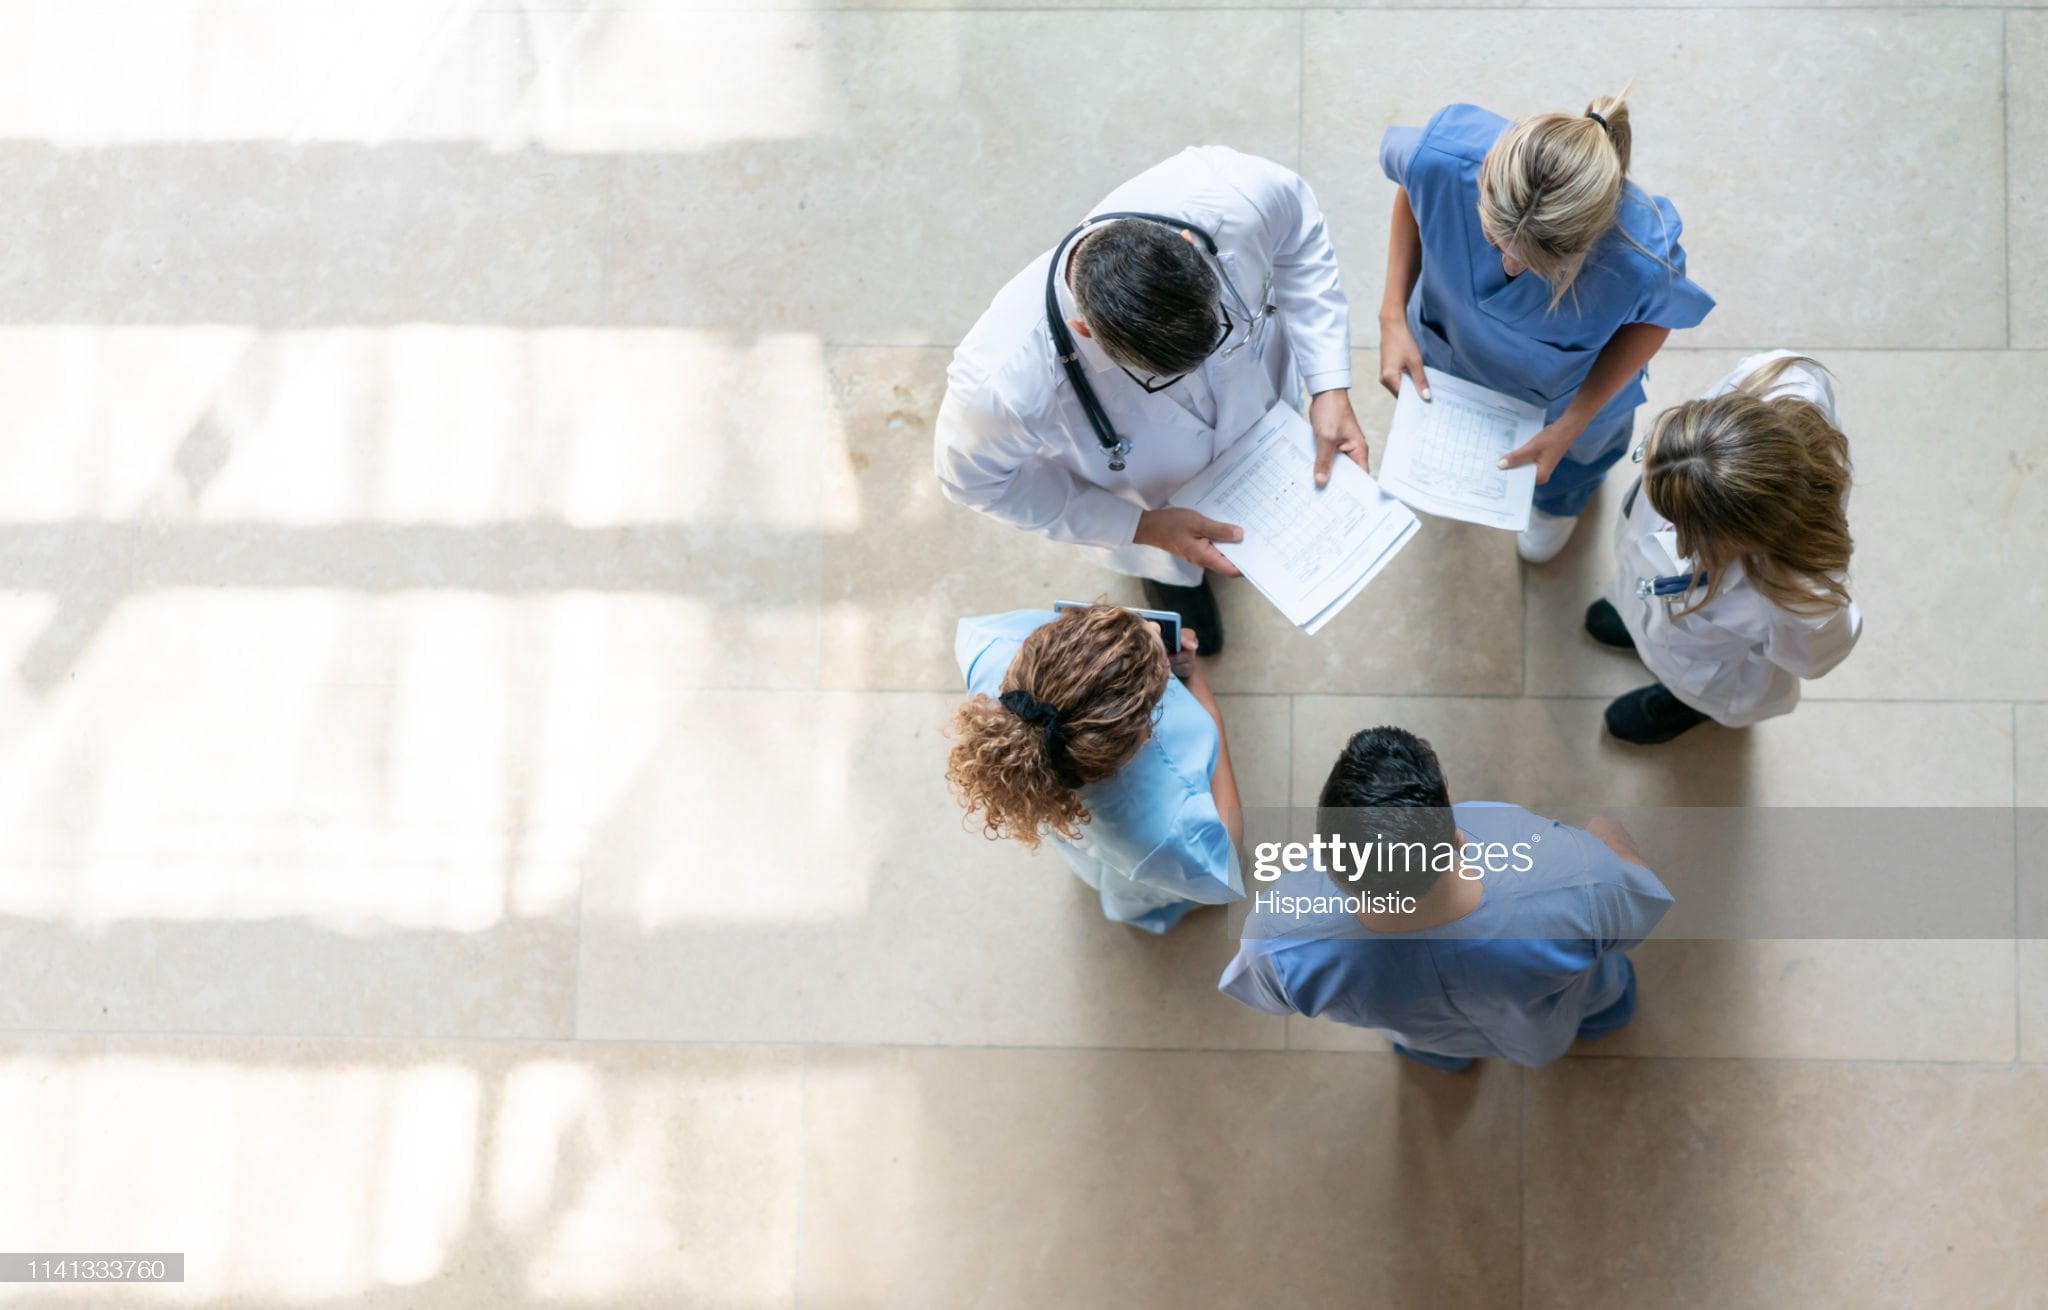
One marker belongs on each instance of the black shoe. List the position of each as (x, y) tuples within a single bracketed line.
[(1604, 622), (1196, 606), (1649, 716)]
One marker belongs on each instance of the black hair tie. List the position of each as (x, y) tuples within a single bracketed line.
[(1046, 718), (1596, 118)]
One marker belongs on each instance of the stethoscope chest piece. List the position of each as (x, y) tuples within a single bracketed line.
[(1670, 585)]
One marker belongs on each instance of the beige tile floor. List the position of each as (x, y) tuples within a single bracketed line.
[(476, 620)]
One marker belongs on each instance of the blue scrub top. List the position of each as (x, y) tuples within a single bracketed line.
[(1513, 979), (1475, 322), (1155, 846)]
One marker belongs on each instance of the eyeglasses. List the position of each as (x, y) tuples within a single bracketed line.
[(1223, 348), (1154, 384)]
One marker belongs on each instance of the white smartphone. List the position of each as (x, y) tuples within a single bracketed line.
[(1168, 621)]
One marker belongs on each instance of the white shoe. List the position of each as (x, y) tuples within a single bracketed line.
[(1545, 536)]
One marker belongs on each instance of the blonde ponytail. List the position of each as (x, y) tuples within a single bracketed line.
[(1550, 187), (1610, 115)]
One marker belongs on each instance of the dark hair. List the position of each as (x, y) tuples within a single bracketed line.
[(1387, 790), (1148, 297)]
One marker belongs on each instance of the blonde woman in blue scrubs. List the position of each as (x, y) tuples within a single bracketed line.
[(1521, 258)]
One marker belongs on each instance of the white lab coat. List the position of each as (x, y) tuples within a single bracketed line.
[(1013, 440), (1740, 657)]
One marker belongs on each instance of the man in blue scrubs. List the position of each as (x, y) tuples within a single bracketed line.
[(1458, 932)]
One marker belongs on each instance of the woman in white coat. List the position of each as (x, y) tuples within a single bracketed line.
[(1732, 555)]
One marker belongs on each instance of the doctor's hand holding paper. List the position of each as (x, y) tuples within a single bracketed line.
[(1119, 364), (1337, 433), (1190, 535)]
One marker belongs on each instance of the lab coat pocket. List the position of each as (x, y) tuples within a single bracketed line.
[(1694, 673), (1697, 655)]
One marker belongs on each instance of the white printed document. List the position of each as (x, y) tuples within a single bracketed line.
[(1309, 550), (1443, 454)]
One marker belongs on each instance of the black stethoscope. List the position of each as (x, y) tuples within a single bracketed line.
[(1113, 445)]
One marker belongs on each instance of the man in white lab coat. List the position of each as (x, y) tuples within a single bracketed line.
[(1185, 332)]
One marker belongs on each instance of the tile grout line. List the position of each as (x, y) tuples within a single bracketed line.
[(1293, 708), (2019, 982), (576, 974), (1810, 698), (803, 1174), (1522, 1188), (1499, 696), (610, 191), (802, 1048), (1817, 349), (1301, 95), (956, 10), (1522, 601), (1509, 7), (2005, 161)]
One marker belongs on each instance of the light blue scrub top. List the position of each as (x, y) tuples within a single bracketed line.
[(1514, 979), (1155, 846), (1474, 321)]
